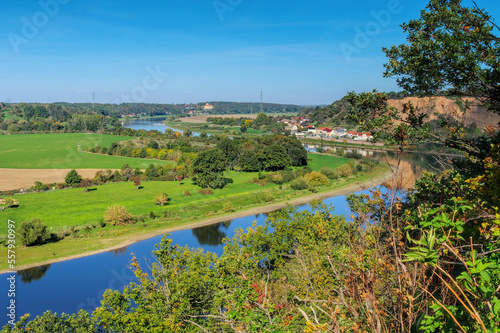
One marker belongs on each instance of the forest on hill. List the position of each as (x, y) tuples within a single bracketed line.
[(62, 111)]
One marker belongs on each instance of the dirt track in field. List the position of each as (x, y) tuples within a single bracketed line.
[(203, 118), (14, 179)]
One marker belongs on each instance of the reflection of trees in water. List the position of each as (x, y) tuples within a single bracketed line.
[(412, 165), (211, 234), (33, 274), (119, 252)]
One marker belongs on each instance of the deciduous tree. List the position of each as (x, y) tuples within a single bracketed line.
[(73, 178), (208, 169)]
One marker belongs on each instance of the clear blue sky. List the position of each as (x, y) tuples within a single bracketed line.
[(204, 50)]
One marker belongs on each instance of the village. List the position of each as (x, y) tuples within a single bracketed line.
[(302, 129)]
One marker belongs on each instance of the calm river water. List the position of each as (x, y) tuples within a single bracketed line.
[(79, 283)]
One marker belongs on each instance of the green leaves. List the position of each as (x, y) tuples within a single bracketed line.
[(450, 46), (425, 251)]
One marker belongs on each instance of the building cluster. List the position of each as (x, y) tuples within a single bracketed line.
[(133, 115), (301, 128)]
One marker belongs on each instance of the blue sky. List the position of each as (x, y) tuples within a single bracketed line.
[(173, 51)]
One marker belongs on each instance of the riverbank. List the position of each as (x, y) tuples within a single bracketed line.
[(95, 246)]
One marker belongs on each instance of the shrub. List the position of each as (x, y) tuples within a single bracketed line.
[(359, 168), (205, 191), (40, 187), (102, 223), (316, 179), (187, 193), (3, 240), (299, 184), (118, 215), (264, 196), (312, 188), (354, 155), (33, 232), (228, 207), (328, 172), (302, 171), (8, 202), (288, 176), (344, 170), (152, 215), (277, 178), (162, 199)]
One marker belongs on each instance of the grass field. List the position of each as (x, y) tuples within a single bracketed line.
[(76, 207), (63, 209), (316, 161), (60, 151)]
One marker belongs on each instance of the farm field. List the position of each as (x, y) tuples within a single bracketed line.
[(60, 151)]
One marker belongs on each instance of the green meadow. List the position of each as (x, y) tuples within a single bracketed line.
[(75, 207), (78, 213), (60, 151), (316, 161)]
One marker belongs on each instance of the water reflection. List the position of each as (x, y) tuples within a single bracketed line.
[(33, 274), (119, 252), (211, 234)]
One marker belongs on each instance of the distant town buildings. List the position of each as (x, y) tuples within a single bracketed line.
[(208, 107), (301, 128)]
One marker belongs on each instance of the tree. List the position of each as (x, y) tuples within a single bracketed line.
[(86, 183), (274, 157), (208, 169), (187, 132), (8, 202), (118, 215), (262, 119), (243, 129), (249, 162), (449, 47), (73, 178), (137, 182), (33, 232), (127, 172), (229, 150), (162, 199)]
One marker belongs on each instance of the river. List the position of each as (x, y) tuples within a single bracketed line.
[(76, 284)]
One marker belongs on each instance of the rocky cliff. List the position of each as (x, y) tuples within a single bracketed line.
[(435, 106)]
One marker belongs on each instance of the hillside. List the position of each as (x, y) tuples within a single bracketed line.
[(440, 105), (336, 113)]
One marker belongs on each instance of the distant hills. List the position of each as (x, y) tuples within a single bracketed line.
[(152, 109)]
